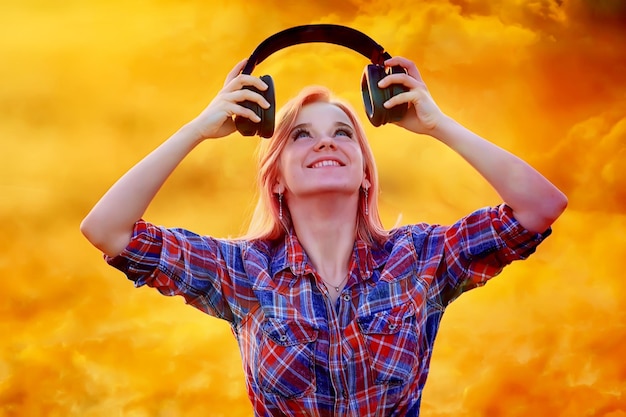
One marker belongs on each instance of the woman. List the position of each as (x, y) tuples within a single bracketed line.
[(334, 315)]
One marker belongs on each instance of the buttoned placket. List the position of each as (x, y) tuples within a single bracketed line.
[(336, 359), (339, 316)]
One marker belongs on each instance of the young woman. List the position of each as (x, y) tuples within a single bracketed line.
[(334, 315)]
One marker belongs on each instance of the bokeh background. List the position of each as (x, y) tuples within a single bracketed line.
[(87, 88)]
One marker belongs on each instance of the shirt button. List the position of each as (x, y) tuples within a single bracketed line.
[(283, 337), (346, 297), (392, 326)]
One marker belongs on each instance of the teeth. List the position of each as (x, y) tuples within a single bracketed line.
[(325, 164)]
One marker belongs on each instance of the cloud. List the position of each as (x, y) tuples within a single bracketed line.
[(87, 91), (588, 164)]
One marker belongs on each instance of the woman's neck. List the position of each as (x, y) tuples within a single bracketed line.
[(326, 229)]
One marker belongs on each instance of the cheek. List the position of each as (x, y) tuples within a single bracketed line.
[(287, 168), (361, 160)]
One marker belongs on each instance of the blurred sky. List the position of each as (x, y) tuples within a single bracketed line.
[(88, 88)]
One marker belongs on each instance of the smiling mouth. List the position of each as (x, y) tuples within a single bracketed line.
[(325, 163)]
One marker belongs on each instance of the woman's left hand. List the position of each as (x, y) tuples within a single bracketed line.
[(423, 115)]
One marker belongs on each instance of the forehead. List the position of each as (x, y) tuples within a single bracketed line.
[(320, 113)]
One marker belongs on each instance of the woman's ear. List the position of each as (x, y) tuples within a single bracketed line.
[(278, 188), (365, 184)]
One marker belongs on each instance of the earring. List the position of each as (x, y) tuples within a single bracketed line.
[(366, 198), (280, 206)]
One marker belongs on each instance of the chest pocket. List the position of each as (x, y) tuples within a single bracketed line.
[(392, 342), (285, 365)]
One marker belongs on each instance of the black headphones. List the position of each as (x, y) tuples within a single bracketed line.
[(373, 96)]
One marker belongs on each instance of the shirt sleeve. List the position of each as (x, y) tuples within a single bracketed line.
[(178, 262), (480, 245)]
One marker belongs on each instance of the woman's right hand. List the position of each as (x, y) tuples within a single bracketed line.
[(217, 119), (109, 225)]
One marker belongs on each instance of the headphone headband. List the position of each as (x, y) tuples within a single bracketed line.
[(373, 96), (327, 33)]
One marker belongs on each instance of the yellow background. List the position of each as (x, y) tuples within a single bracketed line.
[(87, 88)]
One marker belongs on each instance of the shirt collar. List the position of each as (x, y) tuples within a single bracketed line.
[(290, 254)]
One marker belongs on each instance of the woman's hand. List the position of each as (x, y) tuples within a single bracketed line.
[(109, 224), (423, 115), (536, 202), (216, 120)]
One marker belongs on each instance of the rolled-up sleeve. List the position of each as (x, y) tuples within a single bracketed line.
[(179, 262), (481, 244)]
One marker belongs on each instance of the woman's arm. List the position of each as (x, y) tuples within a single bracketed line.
[(536, 202), (109, 224)]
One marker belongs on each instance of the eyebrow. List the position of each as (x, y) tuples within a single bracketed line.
[(308, 125)]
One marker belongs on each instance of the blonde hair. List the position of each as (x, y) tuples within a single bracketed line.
[(266, 222)]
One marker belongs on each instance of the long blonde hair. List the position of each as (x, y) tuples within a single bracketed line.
[(266, 222)]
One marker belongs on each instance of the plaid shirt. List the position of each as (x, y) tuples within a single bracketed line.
[(367, 355)]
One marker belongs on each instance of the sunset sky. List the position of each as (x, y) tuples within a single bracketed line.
[(88, 88)]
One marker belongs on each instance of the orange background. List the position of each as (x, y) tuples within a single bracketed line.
[(88, 88)]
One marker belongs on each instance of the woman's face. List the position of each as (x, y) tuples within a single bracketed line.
[(322, 154)]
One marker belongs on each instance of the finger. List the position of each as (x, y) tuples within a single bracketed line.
[(407, 64), (397, 99), (239, 96), (403, 79), (239, 110), (243, 80), (235, 71)]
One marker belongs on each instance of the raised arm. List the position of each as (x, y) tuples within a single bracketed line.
[(536, 202), (109, 224)]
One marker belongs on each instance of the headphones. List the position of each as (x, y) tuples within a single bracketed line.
[(373, 96)]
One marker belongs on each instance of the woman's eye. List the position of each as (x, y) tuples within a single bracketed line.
[(343, 132), (300, 133)]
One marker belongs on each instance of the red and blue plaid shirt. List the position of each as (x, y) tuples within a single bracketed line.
[(367, 355)]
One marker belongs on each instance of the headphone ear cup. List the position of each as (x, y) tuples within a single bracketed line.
[(397, 112), (374, 96), (265, 128)]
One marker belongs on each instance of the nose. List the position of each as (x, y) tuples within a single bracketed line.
[(325, 142)]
